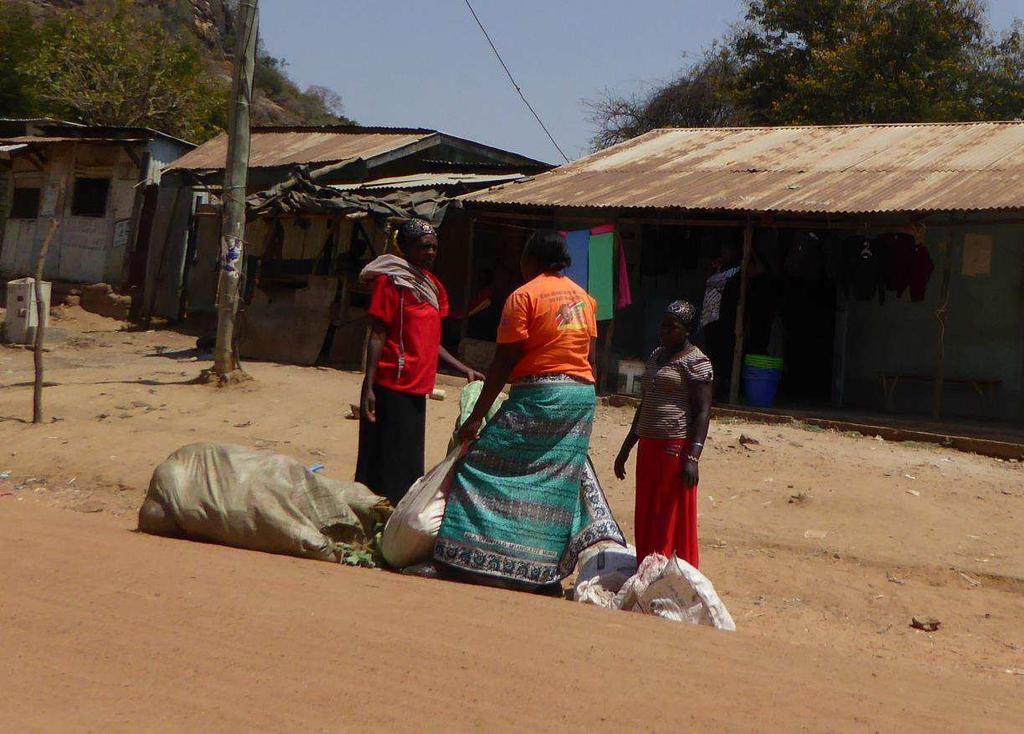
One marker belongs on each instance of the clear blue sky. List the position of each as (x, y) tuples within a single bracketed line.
[(424, 63)]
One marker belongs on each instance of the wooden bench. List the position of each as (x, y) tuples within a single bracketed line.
[(985, 388)]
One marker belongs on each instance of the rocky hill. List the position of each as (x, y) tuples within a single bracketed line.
[(278, 99)]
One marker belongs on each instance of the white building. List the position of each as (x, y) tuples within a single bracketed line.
[(100, 183)]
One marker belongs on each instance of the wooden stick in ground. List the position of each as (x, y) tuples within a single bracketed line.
[(940, 346), (741, 313), (40, 335)]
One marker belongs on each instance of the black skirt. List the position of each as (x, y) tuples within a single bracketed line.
[(391, 450)]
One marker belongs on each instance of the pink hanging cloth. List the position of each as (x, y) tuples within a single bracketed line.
[(624, 296)]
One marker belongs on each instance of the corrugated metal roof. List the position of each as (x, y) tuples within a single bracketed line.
[(432, 180), (50, 139), (283, 147), (844, 169)]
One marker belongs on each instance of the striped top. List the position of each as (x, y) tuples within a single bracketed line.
[(665, 410)]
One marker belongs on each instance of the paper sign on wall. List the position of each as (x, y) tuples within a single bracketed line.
[(122, 230), (977, 255)]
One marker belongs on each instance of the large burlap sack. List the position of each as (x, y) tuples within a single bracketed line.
[(259, 501), (673, 589), (412, 529)]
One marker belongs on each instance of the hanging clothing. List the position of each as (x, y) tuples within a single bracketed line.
[(713, 288), (578, 245), (665, 517), (601, 271), (720, 335), (764, 298), (525, 501), (623, 293), (867, 274), (921, 273), (805, 260), (835, 268), (899, 265), (391, 449)]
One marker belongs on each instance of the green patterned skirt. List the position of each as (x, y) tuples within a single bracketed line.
[(525, 501)]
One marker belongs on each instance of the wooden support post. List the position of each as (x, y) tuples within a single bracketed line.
[(606, 356), (40, 335), (468, 289), (609, 333), (839, 348), (236, 172), (741, 312), (390, 246), (39, 339), (940, 315)]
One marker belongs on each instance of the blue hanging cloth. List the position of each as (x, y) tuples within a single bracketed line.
[(578, 243)]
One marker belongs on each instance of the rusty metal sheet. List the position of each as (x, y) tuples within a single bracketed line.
[(50, 139), (282, 147), (431, 181), (285, 324), (818, 169)]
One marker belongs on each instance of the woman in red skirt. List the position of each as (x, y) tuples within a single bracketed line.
[(670, 426)]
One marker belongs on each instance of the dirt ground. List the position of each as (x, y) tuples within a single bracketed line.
[(822, 545)]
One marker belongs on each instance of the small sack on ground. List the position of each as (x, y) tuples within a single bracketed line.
[(261, 501), (412, 529), (673, 589), (603, 570)]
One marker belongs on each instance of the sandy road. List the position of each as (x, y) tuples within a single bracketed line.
[(102, 628)]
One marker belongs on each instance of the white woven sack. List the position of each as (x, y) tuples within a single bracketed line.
[(673, 589), (603, 568), (412, 529)]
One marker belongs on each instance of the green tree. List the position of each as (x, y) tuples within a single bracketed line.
[(845, 61), (835, 62), (19, 39), (117, 64), (1005, 74), (699, 97)]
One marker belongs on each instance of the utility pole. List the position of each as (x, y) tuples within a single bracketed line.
[(236, 173)]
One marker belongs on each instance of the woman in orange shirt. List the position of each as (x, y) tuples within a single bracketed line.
[(525, 500)]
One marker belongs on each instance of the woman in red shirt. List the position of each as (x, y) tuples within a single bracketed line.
[(406, 309)]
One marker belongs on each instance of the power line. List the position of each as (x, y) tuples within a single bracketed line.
[(512, 79)]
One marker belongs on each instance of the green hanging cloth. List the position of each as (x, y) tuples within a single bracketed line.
[(600, 270)]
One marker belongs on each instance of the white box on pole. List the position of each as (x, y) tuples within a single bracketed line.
[(20, 322)]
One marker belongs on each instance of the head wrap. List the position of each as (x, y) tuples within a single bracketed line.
[(683, 311), (413, 229)]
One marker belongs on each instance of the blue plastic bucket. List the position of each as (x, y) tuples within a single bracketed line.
[(760, 385)]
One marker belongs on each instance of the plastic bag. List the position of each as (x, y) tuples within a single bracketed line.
[(603, 569), (467, 401), (673, 589), (412, 529)]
